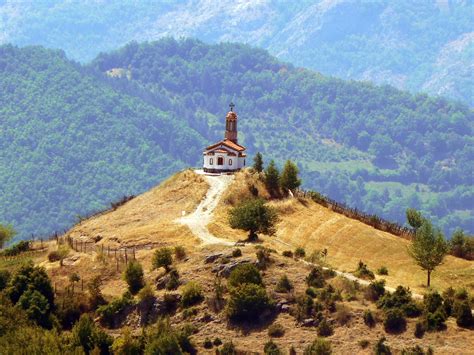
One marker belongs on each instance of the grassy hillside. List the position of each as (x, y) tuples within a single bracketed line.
[(421, 46)]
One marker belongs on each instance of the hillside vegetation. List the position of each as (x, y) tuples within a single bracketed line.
[(415, 45), (74, 139)]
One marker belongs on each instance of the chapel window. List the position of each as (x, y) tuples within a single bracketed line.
[(211, 161)]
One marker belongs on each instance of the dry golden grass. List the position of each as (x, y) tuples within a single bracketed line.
[(304, 223), (148, 217)]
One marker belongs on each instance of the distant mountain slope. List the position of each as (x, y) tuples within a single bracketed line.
[(69, 143), (73, 139), (376, 148), (416, 45)]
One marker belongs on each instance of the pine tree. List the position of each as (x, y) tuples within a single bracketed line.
[(258, 163), (272, 178), (428, 248), (289, 177)]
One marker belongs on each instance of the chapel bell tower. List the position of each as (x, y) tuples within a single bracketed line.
[(231, 125)]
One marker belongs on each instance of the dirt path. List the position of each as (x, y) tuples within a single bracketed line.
[(198, 220)]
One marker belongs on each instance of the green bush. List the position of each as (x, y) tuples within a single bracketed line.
[(228, 349), (16, 249), (318, 347), (435, 321), (4, 279), (284, 285), (245, 273), (287, 254), (217, 342), (53, 256), (179, 252), (173, 280), (300, 252), (236, 253), (375, 290), (109, 312), (303, 308), (413, 350), (88, 336), (463, 314), (369, 319), (382, 270), (207, 343), (162, 258), (432, 301), (315, 278), (381, 348), (395, 321), (191, 295), (247, 301), (400, 299), (263, 258), (419, 330), (133, 275), (270, 348), (363, 272), (325, 329), (276, 330)]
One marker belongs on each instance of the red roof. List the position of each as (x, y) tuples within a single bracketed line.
[(229, 144)]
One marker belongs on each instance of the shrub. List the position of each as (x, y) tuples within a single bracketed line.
[(17, 248), (4, 278), (315, 278), (463, 314), (382, 270), (217, 342), (133, 275), (207, 343), (127, 344), (343, 315), (53, 256), (400, 299), (395, 321), (303, 307), (247, 302), (435, 321), (190, 312), (311, 292), (271, 348), (318, 347), (88, 336), (146, 294), (363, 272), (369, 319), (236, 253), (228, 349), (179, 252), (300, 252), (245, 273), (413, 350), (263, 258), (276, 330), (375, 290), (325, 328), (284, 285), (364, 343), (173, 280), (109, 311), (381, 348), (192, 294), (461, 294), (419, 330), (432, 301), (287, 254), (162, 258), (95, 295)]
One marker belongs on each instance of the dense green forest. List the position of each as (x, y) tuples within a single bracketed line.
[(74, 138), (414, 45)]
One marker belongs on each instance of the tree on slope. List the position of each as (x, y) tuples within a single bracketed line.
[(428, 248), (272, 178), (6, 233), (414, 218), (253, 216), (289, 177), (258, 163)]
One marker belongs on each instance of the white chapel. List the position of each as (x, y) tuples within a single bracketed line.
[(227, 155)]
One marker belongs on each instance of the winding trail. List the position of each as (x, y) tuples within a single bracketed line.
[(198, 220)]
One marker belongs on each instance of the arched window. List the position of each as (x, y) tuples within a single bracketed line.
[(230, 161), (211, 161), (220, 161)]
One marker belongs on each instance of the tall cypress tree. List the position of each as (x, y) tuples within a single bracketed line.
[(258, 163), (272, 178), (289, 177)]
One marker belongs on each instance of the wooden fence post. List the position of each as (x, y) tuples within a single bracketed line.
[(126, 256)]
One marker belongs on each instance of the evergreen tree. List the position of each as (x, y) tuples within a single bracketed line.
[(272, 178), (253, 216), (258, 163), (428, 248), (289, 177), (414, 218), (133, 275)]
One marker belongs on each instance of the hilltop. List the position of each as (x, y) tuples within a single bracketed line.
[(155, 219), (75, 137), (418, 46)]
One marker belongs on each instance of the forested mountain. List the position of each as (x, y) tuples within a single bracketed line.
[(415, 45), (75, 137)]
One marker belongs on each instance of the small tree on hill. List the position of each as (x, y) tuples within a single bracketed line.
[(6, 233), (133, 275), (272, 178), (289, 177), (162, 258), (258, 163), (428, 248), (255, 217), (414, 218)]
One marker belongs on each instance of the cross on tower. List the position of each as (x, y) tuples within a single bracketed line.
[(231, 105)]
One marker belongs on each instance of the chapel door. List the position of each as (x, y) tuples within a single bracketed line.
[(220, 161)]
